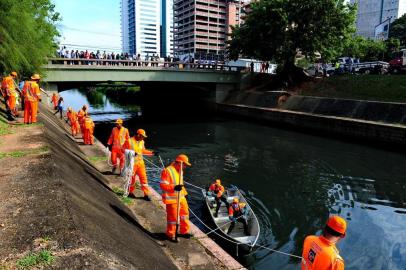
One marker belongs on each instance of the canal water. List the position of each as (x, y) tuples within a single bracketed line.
[(293, 181)]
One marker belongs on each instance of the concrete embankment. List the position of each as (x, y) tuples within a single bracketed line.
[(376, 122), (57, 199)]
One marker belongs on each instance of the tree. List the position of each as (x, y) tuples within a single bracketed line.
[(277, 29), (365, 49), (27, 34), (397, 30)]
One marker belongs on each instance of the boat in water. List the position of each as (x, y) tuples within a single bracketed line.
[(222, 221)]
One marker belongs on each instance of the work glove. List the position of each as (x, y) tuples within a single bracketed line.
[(178, 187)]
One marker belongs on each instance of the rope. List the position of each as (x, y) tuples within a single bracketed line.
[(214, 230)]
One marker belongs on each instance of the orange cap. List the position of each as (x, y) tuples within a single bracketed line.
[(35, 77), (337, 224), (142, 133), (13, 73), (69, 108), (183, 158), (119, 121), (235, 200), (218, 181)]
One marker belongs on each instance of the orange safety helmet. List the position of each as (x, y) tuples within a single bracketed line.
[(218, 181), (69, 109), (142, 133), (337, 224), (235, 200), (13, 73), (184, 159), (119, 121), (35, 77)]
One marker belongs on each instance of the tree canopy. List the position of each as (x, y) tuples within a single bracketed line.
[(398, 30), (277, 29), (27, 34)]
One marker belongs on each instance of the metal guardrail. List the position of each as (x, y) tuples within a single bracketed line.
[(139, 64)]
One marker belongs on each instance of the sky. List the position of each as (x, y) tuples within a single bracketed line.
[(95, 24), (90, 24)]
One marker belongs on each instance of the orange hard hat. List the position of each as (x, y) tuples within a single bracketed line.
[(13, 73), (184, 159), (84, 107), (337, 224), (35, 77), (69, 108), (235, 200), (142, 132), (119, 121), (218, 181)]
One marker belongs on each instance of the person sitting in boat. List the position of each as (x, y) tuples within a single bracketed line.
[(238, 212), (216, 190)]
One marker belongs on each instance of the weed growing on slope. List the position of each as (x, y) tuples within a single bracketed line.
[(120, 192), (96, 159), (18, 154), (35, 259)]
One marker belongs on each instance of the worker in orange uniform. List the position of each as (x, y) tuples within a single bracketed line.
[(32, 95), (172, 189), (137, 144), (88, 125), (238, 212), (54, 100), (320, 252), (73, 121), (81, 117), (217, 191), (10, 92), (118, 137)]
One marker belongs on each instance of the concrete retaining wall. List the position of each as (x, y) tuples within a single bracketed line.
[(391, 135)]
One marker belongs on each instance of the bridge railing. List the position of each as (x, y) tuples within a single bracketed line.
[(139, 64)]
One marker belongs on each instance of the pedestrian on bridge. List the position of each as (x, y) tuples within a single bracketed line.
[(174, 197), (118, 137), (320, 252), (137, 144), (32, 95)]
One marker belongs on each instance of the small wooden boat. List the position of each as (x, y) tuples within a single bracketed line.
[(222, 221)]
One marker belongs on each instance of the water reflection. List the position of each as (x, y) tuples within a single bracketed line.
[(293, 182)]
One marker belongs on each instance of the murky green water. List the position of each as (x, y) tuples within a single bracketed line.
[(293, 181)]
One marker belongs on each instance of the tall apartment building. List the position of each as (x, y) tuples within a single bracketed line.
[(201, 27), (374, 12), (143, 25)]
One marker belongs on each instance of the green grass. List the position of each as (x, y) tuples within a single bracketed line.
[(4, 126), (96, 159), (18, 154), (119, 192), (389, 88), (35, 259)]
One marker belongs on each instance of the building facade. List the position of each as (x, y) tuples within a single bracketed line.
[(372, 13), (167, 28), (141, 27), (201, 27)]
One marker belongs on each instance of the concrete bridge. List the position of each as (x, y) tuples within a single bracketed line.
[(68, 73)]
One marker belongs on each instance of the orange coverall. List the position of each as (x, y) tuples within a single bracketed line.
[(170, 178), (10, 93), (88, 131), (139, 166), (55, 100), (81, 118), (117, 139), (321, 254), (32, 95), (73, 120)]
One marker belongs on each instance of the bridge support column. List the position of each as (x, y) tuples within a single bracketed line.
[(223, 90)]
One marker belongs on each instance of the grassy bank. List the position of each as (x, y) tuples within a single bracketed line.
[(390, 88)]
